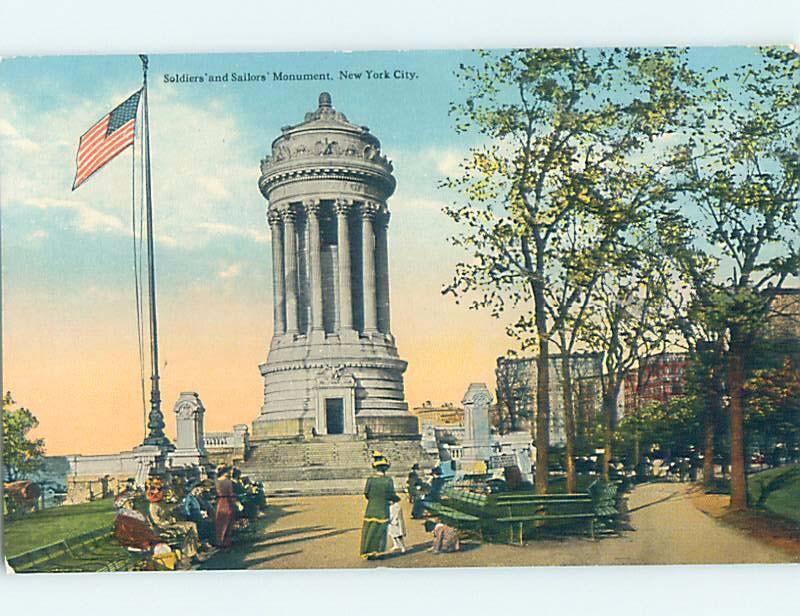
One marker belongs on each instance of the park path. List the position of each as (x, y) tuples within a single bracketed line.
[(663, 527)]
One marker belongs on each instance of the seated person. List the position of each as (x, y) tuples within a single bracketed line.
[(131, 528), (195, 509), (168, 526)]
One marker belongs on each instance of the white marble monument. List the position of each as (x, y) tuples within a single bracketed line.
[(477, 438), (332, 367), (190, 441)]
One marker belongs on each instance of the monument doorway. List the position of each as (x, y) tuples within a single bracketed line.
[(334, 415)]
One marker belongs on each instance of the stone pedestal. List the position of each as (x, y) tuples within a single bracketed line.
[(477, 438), (149, 459), (189, 445)]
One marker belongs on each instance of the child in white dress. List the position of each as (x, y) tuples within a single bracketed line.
[(397, 528)]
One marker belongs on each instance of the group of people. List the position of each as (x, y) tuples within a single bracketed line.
[(383, 518), (180, 521)]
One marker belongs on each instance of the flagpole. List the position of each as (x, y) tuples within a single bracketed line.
[(155, 423)]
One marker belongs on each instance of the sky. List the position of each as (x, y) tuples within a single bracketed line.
[(70, 341)]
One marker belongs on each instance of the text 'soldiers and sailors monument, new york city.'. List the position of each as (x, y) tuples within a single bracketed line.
[(333, 369)]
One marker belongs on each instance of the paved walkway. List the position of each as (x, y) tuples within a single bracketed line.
[(664, 527)]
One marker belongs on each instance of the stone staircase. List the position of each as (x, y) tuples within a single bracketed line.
[(328, 464)]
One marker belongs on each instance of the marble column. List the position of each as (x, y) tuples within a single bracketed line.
[(368, 212), (382, 265), (345, 278), (290, 267), (278, 281), (315, 265)]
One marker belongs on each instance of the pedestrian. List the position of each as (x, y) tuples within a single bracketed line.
[(380, 493), (226, 508), (397, 528)]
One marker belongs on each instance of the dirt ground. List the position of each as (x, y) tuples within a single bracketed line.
[(664, 526), (763, 526)]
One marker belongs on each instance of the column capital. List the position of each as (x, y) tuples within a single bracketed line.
[(369, 210), (273, 217), (289, 214), (343, 206), (312, 206)]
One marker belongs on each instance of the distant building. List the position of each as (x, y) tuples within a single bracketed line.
[(516, 391), (784, 316), (443, 415), (663, 378)]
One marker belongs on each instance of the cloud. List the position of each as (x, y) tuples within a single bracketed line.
[(225, 229), (232, 271), (201, 171), (39, 234)]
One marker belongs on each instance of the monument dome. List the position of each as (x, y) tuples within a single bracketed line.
[(332, 366)]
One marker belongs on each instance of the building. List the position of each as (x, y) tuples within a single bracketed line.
[(438, 416), (516, 391), (784, 315), (663, 378), (332, 367)]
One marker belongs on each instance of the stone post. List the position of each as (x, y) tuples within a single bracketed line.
[(477, 446), (345, 276), (190, 445), (368, 213), (278, 281), (312, 211), (382, 264), (290, 266)]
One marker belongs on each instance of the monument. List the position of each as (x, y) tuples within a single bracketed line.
[(477, 435), (332, 368), (190, 441)]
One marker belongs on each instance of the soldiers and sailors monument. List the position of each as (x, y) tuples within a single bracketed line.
[(333, 367)]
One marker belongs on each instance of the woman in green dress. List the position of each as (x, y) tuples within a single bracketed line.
[(380, 494)]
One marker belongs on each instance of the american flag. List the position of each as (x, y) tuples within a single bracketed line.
[(103, 141)]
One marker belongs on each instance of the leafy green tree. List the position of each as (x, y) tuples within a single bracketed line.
[(554, 125), (21, 454), (742, 175)]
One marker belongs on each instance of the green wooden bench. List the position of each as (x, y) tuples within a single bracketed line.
[(512, 516)]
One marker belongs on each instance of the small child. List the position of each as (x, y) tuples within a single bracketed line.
[(445, 538), (397, 528)]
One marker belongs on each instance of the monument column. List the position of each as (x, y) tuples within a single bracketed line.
[(368, 212), (290, 266), (345, 277), (382, 264), (278, 281), (312, 211)]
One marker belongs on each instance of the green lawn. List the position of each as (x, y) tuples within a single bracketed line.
[(52, 525), (783, 490)]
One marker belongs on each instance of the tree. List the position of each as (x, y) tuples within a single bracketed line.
[(553, 122), (21, 455), (742, 174)]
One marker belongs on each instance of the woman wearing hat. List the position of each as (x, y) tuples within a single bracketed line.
[(380, 494), (226, 507)]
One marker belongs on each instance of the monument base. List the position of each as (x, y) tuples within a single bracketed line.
[(330, 464)]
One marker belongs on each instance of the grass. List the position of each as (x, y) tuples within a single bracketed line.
[(778, 491), (51, 525)]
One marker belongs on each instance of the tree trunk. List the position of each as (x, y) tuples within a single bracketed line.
[(713, 400), (609, 419), (569, 421), (542, 435), (735, 389)]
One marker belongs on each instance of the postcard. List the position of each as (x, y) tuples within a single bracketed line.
[(506, 307)]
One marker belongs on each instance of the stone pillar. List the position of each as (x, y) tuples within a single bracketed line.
[(314, 250), (190, 441), (382, 265), (476, 447), (345, 277), (278, 280), (368, 213), (290, 268)]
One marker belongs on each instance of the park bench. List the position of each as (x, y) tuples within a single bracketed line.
[(512, 516)]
